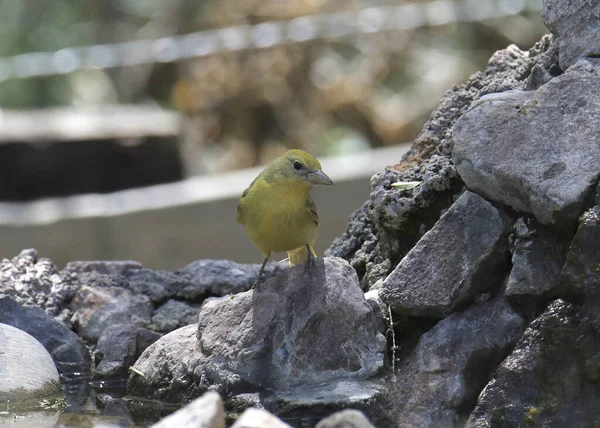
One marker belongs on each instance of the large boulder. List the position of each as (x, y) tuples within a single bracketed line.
[(310, 325), (534, 150)]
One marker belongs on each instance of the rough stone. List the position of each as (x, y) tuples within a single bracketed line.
[(441, 379), (35, 281), (174, 314), (258, 418), (576, 23), (66, 348), (583, 259), (538, 256), (387, 226), (204, 412), (171, 367), (157, 285), (464, 254), (119, 347), (277, 336), (27, 372), (346, 419), (310, 324), (104, 267), (502, 146), (97, 308), (220, 277), (549, 380)]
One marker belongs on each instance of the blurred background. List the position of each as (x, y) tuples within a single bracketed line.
[(128, 128)]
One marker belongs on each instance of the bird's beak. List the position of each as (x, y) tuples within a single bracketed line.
[(319, 177)]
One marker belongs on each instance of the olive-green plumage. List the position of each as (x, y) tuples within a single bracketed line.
[(277, 211)]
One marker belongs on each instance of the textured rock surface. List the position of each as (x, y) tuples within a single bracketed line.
[(35, 281), (452, 362), (464, 254), (204, 412), (65, 347), (97, 308), (502, 146), (538, 256), (346, 419), (27, 372), (119, 347), (258, 418), (174, 314), (576, 23), (583, 259), (550, 379), (311, 324), (381, 232)]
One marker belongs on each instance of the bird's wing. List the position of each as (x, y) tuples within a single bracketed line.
[(240, 207), (312, 210)]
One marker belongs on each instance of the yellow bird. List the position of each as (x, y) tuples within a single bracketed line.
[(277, 211)]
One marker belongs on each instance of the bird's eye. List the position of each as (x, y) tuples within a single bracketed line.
[(297, 165)]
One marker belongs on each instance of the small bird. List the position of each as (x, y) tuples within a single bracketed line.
[(277, 211)]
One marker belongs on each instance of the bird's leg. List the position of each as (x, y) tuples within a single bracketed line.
[(312, 256), (261, 272)]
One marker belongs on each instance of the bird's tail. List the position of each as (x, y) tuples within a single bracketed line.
[(300, 255)]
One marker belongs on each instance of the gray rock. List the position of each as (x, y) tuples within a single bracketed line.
[(204, 412), (28, 377), (576, 23), (66, 348), (583, 259), (387, 226), (346, 419), (549, 380), (258, 418), (104, 267), (220, 277), (502, 146), (34, 281), (157, 285), (538, 256), (174, 314), (119, 347), (307, 404), (464, 254), (452, 362), (171, 368), (310, 324), (97, 308)]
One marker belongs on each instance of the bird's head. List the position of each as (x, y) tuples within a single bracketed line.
[(301, 167)]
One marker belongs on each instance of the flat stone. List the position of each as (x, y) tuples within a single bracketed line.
[(452, 363), (204, 412), (531, 150), (550, 379), (465, 253), (576, 23)]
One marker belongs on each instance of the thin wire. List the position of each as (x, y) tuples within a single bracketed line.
[(337, 25)]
